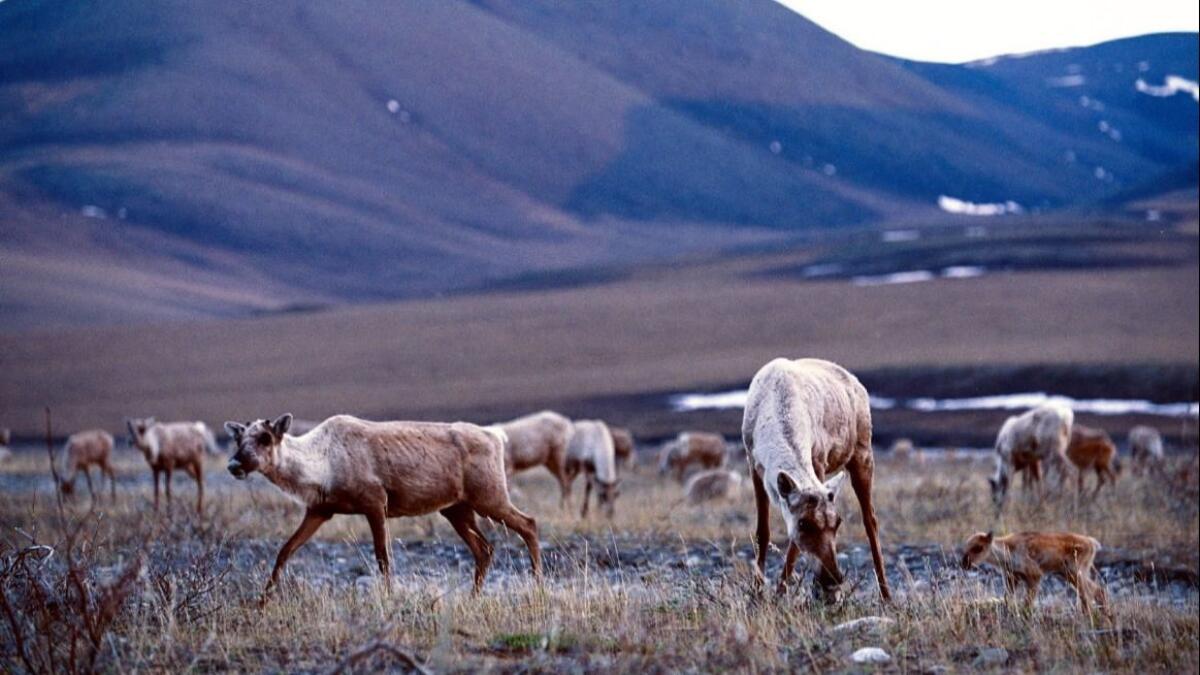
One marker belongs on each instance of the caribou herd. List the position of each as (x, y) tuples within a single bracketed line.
[(805, 430)]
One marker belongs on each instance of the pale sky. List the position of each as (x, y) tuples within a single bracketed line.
[(963, 30)]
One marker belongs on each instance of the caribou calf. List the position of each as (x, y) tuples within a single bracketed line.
[(1093, 449), (1026, 557), (1090, 449), (383, 470)]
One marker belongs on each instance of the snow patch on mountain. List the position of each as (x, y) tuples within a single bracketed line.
[(953, 205), (1066, 81), (1173, 84)]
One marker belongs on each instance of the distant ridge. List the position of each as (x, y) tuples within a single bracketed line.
[(217, 159)]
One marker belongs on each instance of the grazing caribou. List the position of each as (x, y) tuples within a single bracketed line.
[(82, 451), (624, 447), (1146, 448), (1089, 449), (173, 445), (383, 470), (539, 439), (1026, 557), (1028, 467), (1041, 434), (805, 421), (691, 447), (591, 452)]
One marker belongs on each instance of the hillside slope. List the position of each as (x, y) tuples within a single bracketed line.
[(181, 159)]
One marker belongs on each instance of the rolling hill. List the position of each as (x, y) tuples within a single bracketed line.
[(162, 160)]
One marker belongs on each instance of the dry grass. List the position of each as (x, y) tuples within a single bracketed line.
[(193, 607)]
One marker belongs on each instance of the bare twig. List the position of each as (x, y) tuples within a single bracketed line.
[(53, 464)]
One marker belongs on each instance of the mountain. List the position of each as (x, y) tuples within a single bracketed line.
[(1116, 92), (196, 159)]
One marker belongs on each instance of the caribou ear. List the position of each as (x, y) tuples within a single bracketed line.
[(788, 489), (834, 485), (234, 429), (989, 537), (281, 424)]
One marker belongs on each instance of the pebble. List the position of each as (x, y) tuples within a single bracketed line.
[(870, 655), (869, 622), (991, 656)]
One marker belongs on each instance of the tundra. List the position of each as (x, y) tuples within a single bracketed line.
[(173, 445), (805, 421), (82, 451), (1024, 558), (691, 447), (383, 470)]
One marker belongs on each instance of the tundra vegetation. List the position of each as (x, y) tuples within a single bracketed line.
[(663, 585)]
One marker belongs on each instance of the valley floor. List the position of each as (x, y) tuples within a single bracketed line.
[(664, 586)]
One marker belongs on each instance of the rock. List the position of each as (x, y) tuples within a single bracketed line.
[(859, 556), (866, 622), (741, 634), (870, 655), (991, 656), (919, 583)]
